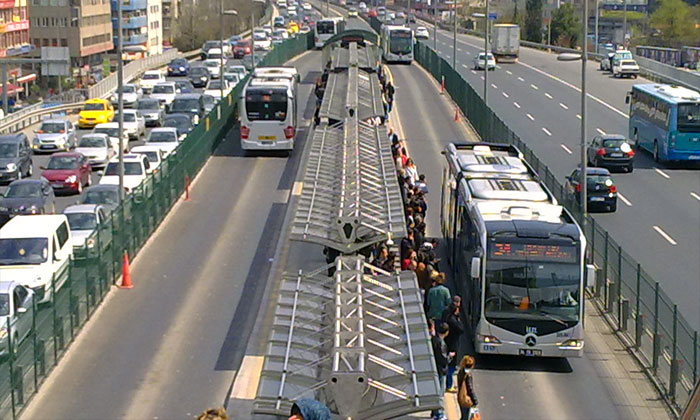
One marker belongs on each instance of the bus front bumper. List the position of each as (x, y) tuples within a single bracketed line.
[(541, 350), (267, 144)]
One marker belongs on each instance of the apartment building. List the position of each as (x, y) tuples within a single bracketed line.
[(171, 11), (14, 28), (142, 27)]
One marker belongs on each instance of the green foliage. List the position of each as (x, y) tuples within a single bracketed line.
[(533, 20), (566, 26), (632, 16), (676, 21)]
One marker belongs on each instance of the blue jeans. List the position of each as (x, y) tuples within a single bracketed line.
[(440, 412), (450, 376)]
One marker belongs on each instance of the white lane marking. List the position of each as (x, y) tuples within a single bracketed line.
[(601, 132), (566, 149), (517, 105), (565, 83), (578, 116), (498, 67), (534, 87), (473, 71), (548, 95), (482, 77), (298, 186), (248, 377), (624, 199), (465, 66), (547, 132), (459, 49), (494, 86), (531, 117), (510, 73), (467, 53), (665, 235), (447, 56), (563, 105), (695, 196), (662, 173), (521, 79), (505, 94)]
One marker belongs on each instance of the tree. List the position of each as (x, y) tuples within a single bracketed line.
[(674, 19), (533, 20), (566, 26)]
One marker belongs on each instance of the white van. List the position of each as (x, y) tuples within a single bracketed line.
[(34, 249), (268, 117)]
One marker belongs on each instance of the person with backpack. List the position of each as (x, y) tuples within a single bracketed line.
[(442, 359), (466, 396), (452, 316)]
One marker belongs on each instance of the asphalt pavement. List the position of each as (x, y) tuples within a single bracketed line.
[(169, 347)]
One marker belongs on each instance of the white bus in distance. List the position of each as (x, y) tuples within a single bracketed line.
[(268, 117), (326, 28), (396, 43)]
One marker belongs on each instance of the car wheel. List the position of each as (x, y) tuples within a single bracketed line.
[(656, 151)]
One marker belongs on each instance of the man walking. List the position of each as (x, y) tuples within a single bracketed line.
[(452, 316), (442, 360)]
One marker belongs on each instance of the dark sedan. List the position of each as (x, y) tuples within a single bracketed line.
[(179, 67), (182, 122), (611, 151), (27, 196), (601, 191), (185, 86), (199, 76), (106, 195)]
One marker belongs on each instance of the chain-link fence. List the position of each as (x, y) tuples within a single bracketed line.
[(35, 337), (646, 318)]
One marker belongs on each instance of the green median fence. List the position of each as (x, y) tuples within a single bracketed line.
[(633, 302), (44, 332)]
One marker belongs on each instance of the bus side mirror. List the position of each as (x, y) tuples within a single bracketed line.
[(590, 275), (627, 99), (476, 267)]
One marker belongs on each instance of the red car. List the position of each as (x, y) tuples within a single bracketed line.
[(67, 172), (242, 48), (372, 13)]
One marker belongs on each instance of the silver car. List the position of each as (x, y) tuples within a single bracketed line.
[(130, 95), (151, 111), (16, 306), (54, 135), (84, 220), (97, 148)]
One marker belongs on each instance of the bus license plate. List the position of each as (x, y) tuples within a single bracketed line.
[(530, 352), (267, 138)]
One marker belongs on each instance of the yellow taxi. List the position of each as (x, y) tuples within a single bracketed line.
[(95, 111), (293, 28)]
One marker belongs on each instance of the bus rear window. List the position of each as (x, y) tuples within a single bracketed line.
[(325, 27), (266, 106), (689, 118)]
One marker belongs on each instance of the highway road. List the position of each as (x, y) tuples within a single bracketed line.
[(170, 347)]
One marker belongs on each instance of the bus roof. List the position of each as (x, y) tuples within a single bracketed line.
[(396, 27), (330, 19), (262, 82), (275, 72), (669, 93)]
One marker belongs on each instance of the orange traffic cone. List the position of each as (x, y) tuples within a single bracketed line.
[(442, 85), (126, 273), (456, 114)]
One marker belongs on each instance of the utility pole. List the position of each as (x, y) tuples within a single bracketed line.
[(624, 23), (252, 38), (486, 54), (597, 12), (221, 57), (584, 158), (454, 37), (120, 96), (435, 25)]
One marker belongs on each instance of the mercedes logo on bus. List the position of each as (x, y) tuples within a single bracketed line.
[(530, 340)]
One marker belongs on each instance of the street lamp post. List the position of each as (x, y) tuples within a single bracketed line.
[(486, 50), (624, 23), (221, 34), (252, 28), (120, 98), (597, 12), (454, 37), (435, 25)]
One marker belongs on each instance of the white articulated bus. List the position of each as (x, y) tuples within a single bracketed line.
[(396, 43), (268, 104), (517, 256), (326, 28)]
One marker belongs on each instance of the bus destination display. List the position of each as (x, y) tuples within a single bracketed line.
[(535, 252)]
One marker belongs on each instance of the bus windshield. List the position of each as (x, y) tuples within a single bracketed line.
[(268, 105), (401, 42), (689, 118), (325, 27)]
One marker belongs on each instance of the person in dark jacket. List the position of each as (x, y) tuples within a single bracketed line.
[(442, 360), (452, 316), (464, 376), (306, 409), (407, 245)]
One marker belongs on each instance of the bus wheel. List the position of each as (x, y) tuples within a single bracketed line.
[(656, 151)]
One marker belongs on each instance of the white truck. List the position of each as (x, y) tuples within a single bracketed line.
[(505, 42)]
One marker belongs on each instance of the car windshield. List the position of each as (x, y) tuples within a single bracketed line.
[(628, 63), (151, 76), (599, 180), (130, 168), (185, 105), (164, 89), (184, 86), (4, 304), (198, 71), (689, 118), (208, 100), (128, 117), (32, 190), (162, 137), (148, 105), (107, 197), (260, 36), (151, 155), (128, 89), (20, 251), (111, 132), (481, 56), (8, 150), (94, 107), (181, 124), (63, 162), (231, 78), (81, 221), (214, 84), (243, 44), (92, 141), (178, 62), (212, 64), (211, 44), (613, 143), (625, 55), (53, 127)]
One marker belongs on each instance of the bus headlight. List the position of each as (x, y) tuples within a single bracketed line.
[(489, 339), (573, 344)]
